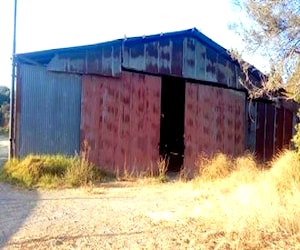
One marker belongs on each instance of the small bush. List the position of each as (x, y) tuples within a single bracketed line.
[(220, 166), (50, 171)]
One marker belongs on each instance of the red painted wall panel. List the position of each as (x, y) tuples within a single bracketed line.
[(120, 120), (214, 122)]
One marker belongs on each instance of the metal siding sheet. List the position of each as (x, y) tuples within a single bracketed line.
[(239, 100), (165, 56), (49, 112), (214, 122), (127, 110), (152, 57), (251, 116), (136, 58), (260, 131), (189, 58), (288, 128), (177, 57), (269, 142), (191, 123), (226, 72), (211, 64), (279, 129), (104, 60)]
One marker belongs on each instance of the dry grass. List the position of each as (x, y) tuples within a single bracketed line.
[(50, 171), (232, 204), (249, 207)]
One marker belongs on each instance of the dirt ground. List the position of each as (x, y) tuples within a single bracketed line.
[(118, 215)]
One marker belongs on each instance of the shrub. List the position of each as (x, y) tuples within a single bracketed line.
[(50, 171)]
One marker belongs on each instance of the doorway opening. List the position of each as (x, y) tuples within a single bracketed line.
[(172, 122)]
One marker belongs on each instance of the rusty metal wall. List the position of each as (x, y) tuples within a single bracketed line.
[(251, 120), (121, 121), (214, 122), (47, 112), (274, 130), (288, 128), (98, 59), (161, 56), (180, 56), (279, 129)]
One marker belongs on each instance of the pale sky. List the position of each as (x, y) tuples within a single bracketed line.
[(49, 24)]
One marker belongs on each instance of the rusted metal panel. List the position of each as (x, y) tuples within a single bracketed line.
[(121, 121), (211, 65), (177, 57), (260, 131), (251, 117), (189, 60), (152, 57), (288, 128), (226, 72), (269, 138), (279, 129), (100, 60), (214, 122), (48, 113)]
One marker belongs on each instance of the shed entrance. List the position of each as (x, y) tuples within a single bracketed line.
[(172, 122)]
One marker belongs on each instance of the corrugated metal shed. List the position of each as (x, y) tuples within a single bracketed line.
[(48, 112), (118, 111), (214, 122), (121, 121)]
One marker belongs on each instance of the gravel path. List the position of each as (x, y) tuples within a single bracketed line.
[(113, 216), (117, 215)]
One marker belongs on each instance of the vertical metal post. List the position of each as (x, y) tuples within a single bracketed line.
[(12, 90)]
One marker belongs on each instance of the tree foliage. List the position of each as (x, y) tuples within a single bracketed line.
[(272, 29)]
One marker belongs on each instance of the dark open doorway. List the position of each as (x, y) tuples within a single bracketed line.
[(172, 122)]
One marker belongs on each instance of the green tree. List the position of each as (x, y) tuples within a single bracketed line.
[(272, 29), (4, 106)]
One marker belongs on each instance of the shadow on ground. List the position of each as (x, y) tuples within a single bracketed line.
[(15, 204)]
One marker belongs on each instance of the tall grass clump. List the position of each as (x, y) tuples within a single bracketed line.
[(220, 166), (285, 171), (50, 171), (254, 206)]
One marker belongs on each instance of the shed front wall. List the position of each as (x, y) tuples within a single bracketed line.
[(214, 122), (121, 121), (47, 112)]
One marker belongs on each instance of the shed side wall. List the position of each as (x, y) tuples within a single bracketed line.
[(48, 112)]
